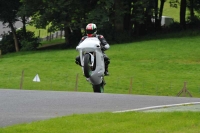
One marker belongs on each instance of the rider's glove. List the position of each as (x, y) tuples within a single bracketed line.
[(103, 48), (107, 46)]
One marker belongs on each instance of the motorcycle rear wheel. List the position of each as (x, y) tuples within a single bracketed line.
[(87, 68), (98, 88)]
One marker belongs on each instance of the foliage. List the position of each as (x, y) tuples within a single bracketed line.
[(30, 42), (193, 23), (29, 45), (8, 14), (139, 10), (126, 19), (7, 44), (108, 31), (174, 27), (122, 37), (100, 13)]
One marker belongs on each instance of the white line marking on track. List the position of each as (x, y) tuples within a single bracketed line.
[(156, 107)]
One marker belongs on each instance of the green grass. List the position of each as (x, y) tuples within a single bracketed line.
[(157, 67), (131, 122), (171, 11), (38, 32)]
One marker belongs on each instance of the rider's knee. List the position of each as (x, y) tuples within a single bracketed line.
[(107, 62), (78, 58), (106, 58)]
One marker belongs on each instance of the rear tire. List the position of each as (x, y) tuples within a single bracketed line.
[(87, 68), (98, 88)]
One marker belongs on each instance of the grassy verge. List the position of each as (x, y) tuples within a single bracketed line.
[(132, 122), (157, 67)]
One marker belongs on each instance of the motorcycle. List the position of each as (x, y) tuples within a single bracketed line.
[(92, 63)]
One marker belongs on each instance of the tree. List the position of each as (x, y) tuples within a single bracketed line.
[(194, 6), (57, 14), (191, 8), (99, 12), (141, 12), (182, 13), (8, 14), (162, 2), (25, 12)]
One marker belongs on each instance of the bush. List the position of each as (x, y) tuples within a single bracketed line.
[(29, 45), (193, 23), (26, 43), (7, 44), (175, 27)]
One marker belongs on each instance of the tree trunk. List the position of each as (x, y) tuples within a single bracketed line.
[(182, 13), (157, 22), (118, 6), (24, 25), (67, 34), (192, 9), (162, 2), (14, 36), (156, 8), (127, 22), (127, 18), (136, 24)]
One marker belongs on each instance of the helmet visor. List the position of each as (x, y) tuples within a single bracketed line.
[(90, 31)]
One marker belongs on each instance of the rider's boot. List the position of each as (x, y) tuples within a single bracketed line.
[(77, 60), (107, 62), (106, 70), (106, 73)]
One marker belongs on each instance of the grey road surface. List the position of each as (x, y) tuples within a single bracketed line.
[(22, 106)]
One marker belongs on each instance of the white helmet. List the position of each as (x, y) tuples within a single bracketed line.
[(91, 29)]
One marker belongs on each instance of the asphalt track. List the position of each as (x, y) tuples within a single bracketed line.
[(24, 106)]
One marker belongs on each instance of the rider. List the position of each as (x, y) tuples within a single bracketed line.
[(91, 30)]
